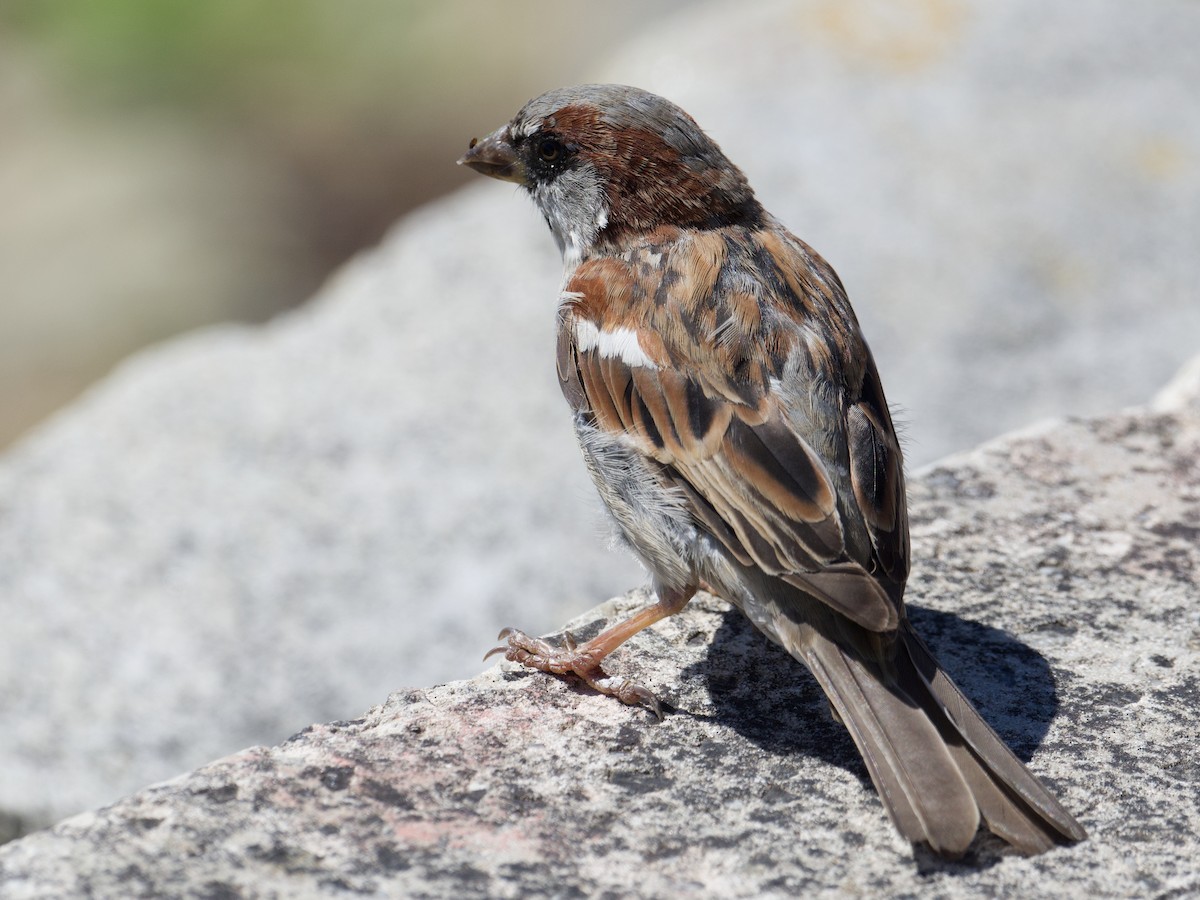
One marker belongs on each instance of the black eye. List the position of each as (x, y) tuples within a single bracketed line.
[(550, 149)]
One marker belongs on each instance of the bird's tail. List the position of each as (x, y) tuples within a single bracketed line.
[(938, 766)]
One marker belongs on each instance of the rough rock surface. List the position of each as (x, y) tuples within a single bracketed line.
[(252, 529), (1055, 576)]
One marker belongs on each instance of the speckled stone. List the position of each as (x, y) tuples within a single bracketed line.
[(1055, 576), (251, 529)]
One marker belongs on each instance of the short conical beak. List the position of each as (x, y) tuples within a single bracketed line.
[(495, 157)]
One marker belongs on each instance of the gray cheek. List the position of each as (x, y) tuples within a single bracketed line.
[(573, 204)]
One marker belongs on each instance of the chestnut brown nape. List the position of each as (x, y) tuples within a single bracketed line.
[(673, 174)]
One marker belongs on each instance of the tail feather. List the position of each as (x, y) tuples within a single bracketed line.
[(938, 766), (989, 747), (924, 793), (1011, 821)]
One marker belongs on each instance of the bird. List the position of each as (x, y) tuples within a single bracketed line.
[(731, 416)]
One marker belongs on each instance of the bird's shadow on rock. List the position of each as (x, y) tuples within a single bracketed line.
[(758, 690)]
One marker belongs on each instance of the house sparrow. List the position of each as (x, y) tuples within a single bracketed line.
[(731, 416)]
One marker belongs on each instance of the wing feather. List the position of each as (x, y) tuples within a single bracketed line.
[(713, 419), (877, 479)]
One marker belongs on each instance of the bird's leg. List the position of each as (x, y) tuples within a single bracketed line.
[(584, 660)]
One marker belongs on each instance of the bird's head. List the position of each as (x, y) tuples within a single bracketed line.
[(605, 163)]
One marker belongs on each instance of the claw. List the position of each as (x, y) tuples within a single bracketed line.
[(628, 692), (502, 636), (501, 649), (636, 695)]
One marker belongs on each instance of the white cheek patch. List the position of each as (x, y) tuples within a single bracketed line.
[(573, 251), (574, 206), (615, 343)]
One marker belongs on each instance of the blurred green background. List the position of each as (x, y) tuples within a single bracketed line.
[(165, 164)]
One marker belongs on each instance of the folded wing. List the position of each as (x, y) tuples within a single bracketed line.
[(718, 428)]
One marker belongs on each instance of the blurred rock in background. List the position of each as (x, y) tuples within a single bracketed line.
[(250, 529), (165, 165)]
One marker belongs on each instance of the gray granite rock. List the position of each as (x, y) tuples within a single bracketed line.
[(1055, 576), (251, 529)]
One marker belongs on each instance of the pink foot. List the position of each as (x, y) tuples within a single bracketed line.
[(583, 662)]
